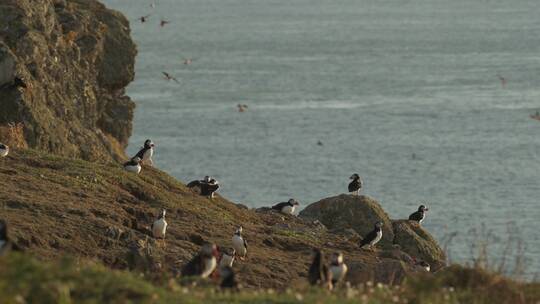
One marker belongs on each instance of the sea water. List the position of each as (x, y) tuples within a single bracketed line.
[(406, 93)]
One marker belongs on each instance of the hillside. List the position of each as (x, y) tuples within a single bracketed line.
[(57, 206)]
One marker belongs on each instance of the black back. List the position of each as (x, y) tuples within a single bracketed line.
[(195, 183), (207, 188), (281, 205), (194, 267), (355, 185), (229, 279), (318, 271), (141, 152), (416, 216), (131, 162), (2, 146), (369, 237)]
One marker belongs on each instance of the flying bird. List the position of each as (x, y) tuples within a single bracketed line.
[(242, 107), (163, 22), (169, 77), (188, 61), (143, 19)]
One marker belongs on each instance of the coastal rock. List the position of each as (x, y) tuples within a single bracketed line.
[(63, 69), (346, 211), (418, 243)]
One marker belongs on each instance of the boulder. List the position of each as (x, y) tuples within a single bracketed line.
[(345, 211), (418, 243)]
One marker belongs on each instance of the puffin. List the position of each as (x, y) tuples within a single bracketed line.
[(373, 237), (203, 264), (239, 243), (337, 268), (159, 226), (286, 207), (207, 186), (146, 152), (228, 279), (4, 150), (423, 265), (356, 185), (134, 165), (419, 215), (227, 257), (318, 271)]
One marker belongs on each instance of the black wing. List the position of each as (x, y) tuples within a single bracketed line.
[(280, 206), (368, 238), (207, 189), (417, 216), (141, 152), (193, 267), (245, 243), (2, 146), (195, 183), (354, 185)]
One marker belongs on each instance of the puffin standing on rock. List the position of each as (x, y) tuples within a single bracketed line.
[(356, 185), (134, 165), (204, 263), (159, 226), (286, 207), (419, 215), (4, 150), (146, 152), (207, 186), (373, 237), (318, 271), (338, 269), (239, 243)]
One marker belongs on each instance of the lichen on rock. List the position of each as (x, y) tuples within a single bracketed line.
[(63, 69)]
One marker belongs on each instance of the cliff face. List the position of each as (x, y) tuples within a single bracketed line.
[(64, 66)]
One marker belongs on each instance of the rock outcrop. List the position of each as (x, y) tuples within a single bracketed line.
[(64, 65), (345, 211), (417, 242)]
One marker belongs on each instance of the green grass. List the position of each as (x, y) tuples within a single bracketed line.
[(24, 279)]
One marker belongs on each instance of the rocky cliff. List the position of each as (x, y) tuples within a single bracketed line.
[(64, 66)]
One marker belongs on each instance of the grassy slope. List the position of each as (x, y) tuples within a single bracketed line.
[(65, 281), (57, 206)]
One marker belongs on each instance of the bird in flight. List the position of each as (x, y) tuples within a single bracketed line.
[(143, 19), (242, 107), (164, 22), (188, 61), (169, 77)]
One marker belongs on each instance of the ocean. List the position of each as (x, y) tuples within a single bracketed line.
[(406, 93)]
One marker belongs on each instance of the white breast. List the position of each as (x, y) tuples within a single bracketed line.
[(377, 238), (135, 169), (422, 219), (4, 152), (209, 266), (338, 272), (159, 228), (148, 154), (226, 260), (288, 209), (238, 245)]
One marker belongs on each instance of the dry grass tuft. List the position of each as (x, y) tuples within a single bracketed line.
[(12, 135)]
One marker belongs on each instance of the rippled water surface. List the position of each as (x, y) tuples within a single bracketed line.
[(375, 81)]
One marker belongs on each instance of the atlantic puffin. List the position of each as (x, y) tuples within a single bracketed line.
[(159, 226), (338, 269), (207, 186), (204, 263), (423, 264), (227, 257), (146, 152), (287, 207), (228, 279), (318, 273), (419, 215), (239, 243), (356, 185), (4, 150), (373, 237), (134, 165)]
